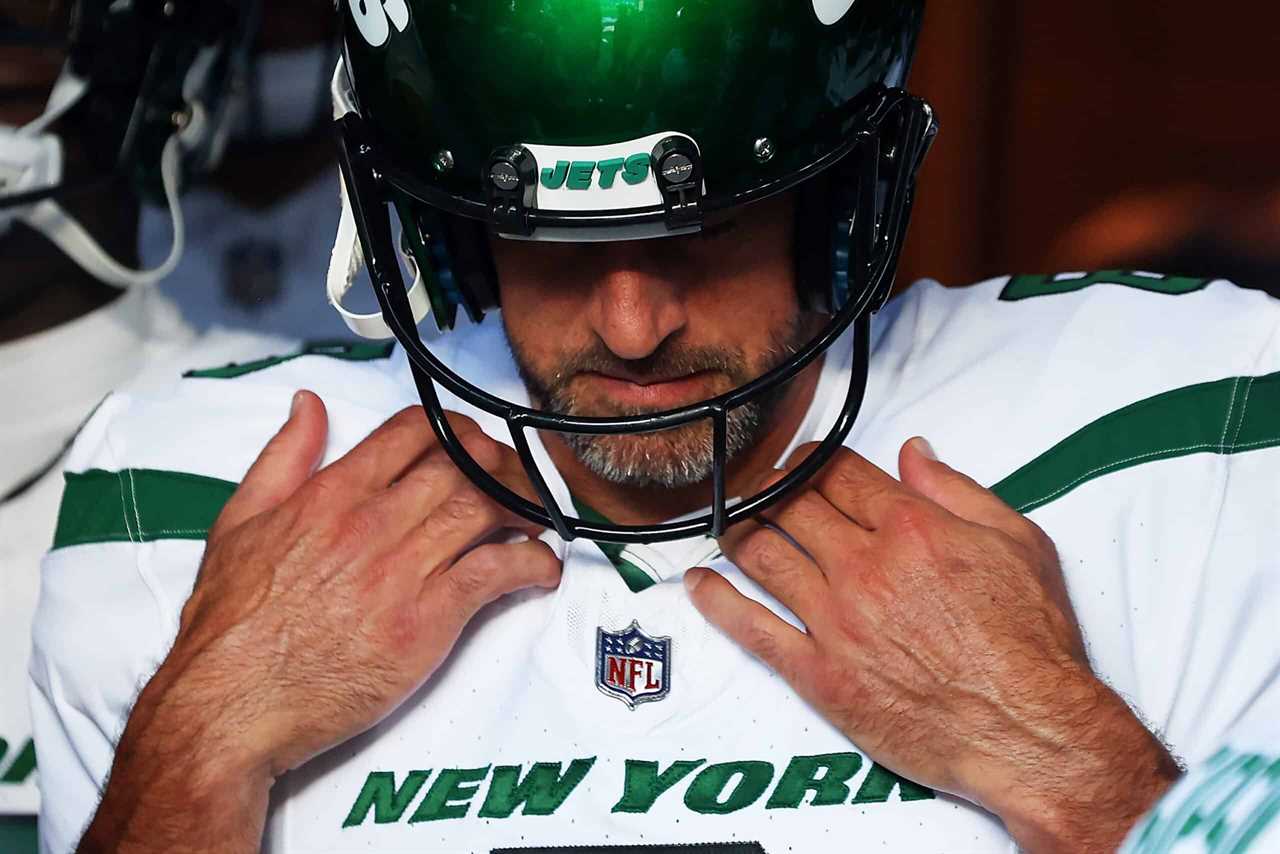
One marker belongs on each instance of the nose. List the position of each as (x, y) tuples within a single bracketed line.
[(634, 311)]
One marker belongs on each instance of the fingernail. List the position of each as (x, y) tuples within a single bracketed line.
[(924, 449), (297, 402), (692, 579)]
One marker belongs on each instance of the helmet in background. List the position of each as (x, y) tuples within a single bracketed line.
[(147, 92)]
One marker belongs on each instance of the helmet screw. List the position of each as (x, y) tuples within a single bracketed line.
[(504, 176), (168, 9), (444, 161), (181, 118), (764, 149), (677, 168)]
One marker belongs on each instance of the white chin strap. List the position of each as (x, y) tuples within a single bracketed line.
[(347, 257), (31, 159)]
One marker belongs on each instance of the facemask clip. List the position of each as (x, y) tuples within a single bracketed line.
[(511, 180), (678, 167)]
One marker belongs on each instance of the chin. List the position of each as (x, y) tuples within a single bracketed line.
[(673, 459)]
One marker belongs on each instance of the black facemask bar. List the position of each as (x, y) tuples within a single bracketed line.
[(890, 144)]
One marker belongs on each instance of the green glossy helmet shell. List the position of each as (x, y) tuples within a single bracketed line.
[(765, 89)]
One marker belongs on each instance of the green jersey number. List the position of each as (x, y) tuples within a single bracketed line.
[(1026, 287)]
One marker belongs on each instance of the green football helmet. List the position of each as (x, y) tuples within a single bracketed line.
[(602, 120)]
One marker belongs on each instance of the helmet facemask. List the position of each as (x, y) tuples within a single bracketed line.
[(854, 198)]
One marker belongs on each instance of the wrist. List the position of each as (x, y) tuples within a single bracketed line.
[(180, 781), (1081, 776), (213, 731)]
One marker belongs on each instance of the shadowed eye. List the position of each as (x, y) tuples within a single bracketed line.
[(717, 230)]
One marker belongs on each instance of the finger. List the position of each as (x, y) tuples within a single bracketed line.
[(858, 488), (462, 520), (828, 536), (770, 559), (453, 597), (768, 637), (386, 453), (431, 481), (501, 461), (286, 463), (817, 527), (957, 492)]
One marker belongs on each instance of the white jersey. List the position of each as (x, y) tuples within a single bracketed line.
[(1230, 803), (1135, 418), (51, 381)]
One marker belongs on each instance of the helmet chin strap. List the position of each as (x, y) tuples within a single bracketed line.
[(31, 160), (347, 259)]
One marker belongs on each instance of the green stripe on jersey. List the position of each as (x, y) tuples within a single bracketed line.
[(138, 505), (1224, 417), (1026, 287), (349, 352), (633, 576), (18, 834)]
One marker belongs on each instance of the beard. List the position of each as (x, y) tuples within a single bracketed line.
[(672, 458)]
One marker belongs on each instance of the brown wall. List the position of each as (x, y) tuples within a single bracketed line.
[(1093, 133)]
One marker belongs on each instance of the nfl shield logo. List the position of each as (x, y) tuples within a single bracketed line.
[(631, 666)]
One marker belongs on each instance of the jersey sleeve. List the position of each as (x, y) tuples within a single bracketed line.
[(145, 479), (1233, 669), (1197, 530), (98, 635)]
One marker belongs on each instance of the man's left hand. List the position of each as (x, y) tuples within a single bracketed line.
[(939, 637)]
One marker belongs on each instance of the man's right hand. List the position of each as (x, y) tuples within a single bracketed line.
[(323, 601)]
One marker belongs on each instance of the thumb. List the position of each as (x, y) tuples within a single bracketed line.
[(780, 645), (286, 462), (920, 469)]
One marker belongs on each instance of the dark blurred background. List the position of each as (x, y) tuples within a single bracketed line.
[(1100, 134), (1095, 134)]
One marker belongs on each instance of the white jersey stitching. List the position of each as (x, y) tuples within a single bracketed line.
[(124, 507), (1231, 408), (1244, 407), (1204, 446), (137, 515)]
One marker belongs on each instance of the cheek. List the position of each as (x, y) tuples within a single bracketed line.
[(542, 307), (747, 303)]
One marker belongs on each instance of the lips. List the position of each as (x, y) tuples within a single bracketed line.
[(649, 392)]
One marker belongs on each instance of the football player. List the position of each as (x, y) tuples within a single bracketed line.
[(635, 545)]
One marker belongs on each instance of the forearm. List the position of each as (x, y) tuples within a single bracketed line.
[(176, 787), (1091, 771)]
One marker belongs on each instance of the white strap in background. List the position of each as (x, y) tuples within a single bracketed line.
[(34, 156), (67, 91), (53, 222)]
